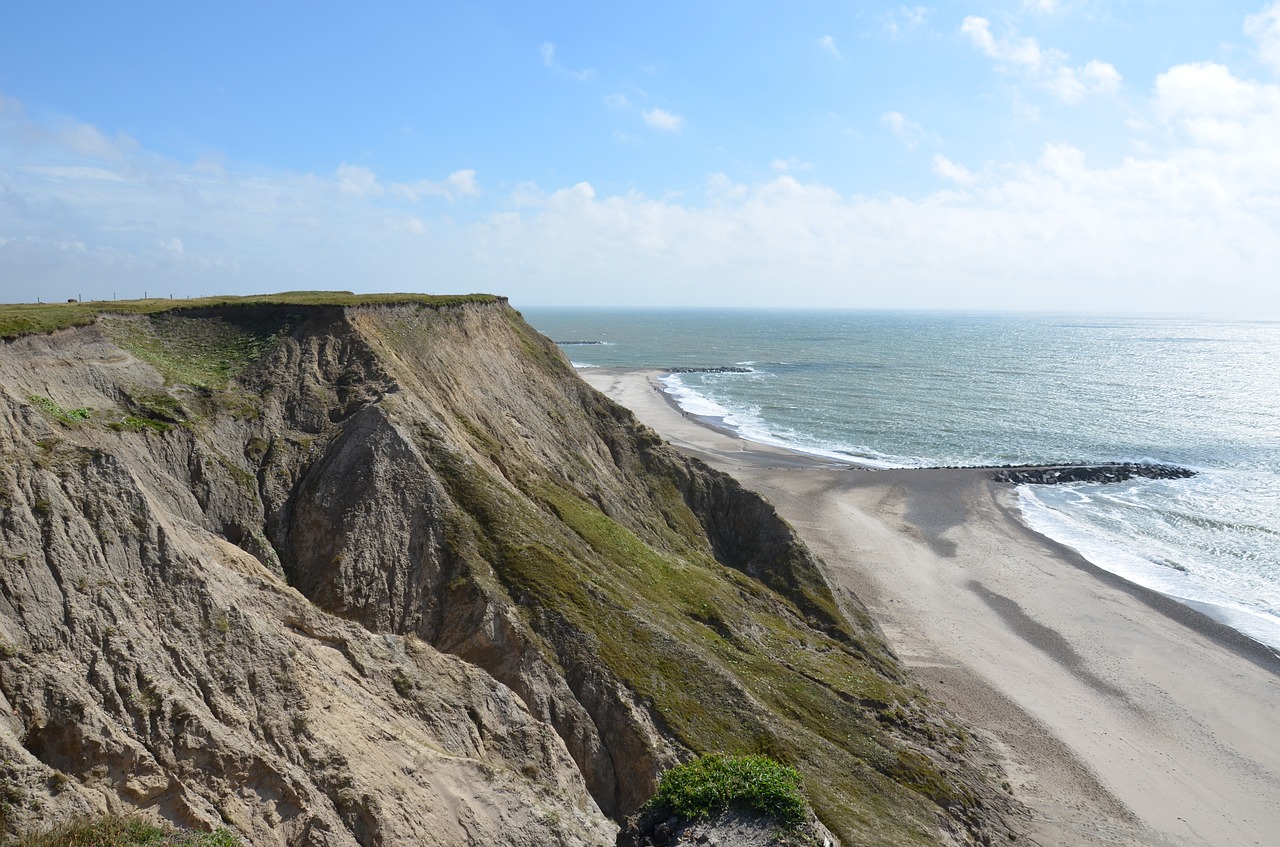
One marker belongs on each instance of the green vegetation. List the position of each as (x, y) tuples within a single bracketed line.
[(26, 318), (204, 352), (158, 412), (69, 417), (727, 664), (115, 831), (712, 783)]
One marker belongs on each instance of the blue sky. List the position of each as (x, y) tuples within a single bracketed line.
[(1028, 154)]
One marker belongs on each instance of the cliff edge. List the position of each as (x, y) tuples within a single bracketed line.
[(331, 570)]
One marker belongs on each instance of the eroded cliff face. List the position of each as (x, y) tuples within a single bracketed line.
[(394, 575)]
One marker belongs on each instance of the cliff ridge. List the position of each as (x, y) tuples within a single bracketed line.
[(344, 572)]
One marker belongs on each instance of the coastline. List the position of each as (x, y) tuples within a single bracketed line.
[(1210, 619), (1125, 717)]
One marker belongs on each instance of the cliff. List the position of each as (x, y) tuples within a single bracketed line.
[(330, 570)]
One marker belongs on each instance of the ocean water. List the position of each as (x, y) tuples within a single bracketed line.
[(918, 389)]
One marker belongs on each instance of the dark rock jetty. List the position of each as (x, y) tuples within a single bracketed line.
[(1118, 472), (577, 343), (731, 369)]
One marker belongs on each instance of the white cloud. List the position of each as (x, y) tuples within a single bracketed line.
[(720, 189), (10, 106), (1011, 50), (904, 19), (1046, 7), (910, 133), (948, 169), (76, 172), (89, 141), (1108, 238), (1047, 67), (1205, 89), (1264, 28), (408, 226), (461, 184), (1071, 85), (1101, 76), (527, 194), (84, 210), (548, 52), (69, 137), (211, 164), (828, 44), (1215, 109), (790, 165), (363, 182), (358, 180), (664, 120), (617, 101)]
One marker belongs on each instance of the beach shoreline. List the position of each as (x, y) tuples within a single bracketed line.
[(1124, 717), (1209, 619)]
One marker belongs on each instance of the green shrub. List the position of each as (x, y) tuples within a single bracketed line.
[(710, 784)]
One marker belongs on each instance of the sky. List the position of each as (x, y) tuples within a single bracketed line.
[(1051, 155)]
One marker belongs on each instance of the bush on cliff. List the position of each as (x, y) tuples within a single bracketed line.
[(713, 783)]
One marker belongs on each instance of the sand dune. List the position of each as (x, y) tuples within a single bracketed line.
[(1124, 717)]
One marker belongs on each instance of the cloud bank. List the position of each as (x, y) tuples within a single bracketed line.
[(1192, 224)]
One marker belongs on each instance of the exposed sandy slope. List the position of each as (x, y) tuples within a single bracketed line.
[(392, 574), (1126, 718)]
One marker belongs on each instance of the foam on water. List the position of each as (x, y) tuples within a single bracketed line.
[(696, 403), (1159, 571), (748, 424)]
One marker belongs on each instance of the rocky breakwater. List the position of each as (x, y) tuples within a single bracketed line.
[(720, 369), (336, 570), (1115, 472)]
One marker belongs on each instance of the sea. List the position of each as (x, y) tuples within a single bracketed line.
[(925, 389)]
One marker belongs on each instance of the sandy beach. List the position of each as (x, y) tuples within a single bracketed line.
[(1123, 717)]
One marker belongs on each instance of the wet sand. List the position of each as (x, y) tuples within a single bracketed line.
[(1123, 717)]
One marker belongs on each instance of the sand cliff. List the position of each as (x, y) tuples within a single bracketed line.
[(392, 574)]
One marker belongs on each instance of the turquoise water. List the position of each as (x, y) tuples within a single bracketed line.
[(922, 389)]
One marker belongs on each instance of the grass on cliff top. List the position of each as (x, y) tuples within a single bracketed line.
[(115, 831), (18, 319), (713, 783)]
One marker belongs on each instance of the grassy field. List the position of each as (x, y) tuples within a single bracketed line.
[(26, 318)]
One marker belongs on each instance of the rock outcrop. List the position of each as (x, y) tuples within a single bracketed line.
[(392, 574), (734, 827)]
